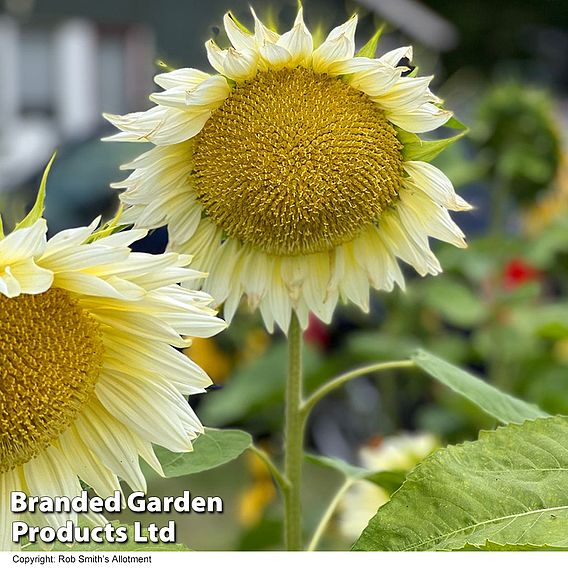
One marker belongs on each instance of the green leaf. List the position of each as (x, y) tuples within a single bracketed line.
[(455, 301), (407, 137), (37, 210), (502, 406), (508, 488), (389, 480), (347, 469), (1, 228), (212, 449), (427, 150), (492, 546), (129, 546), (370, 48)]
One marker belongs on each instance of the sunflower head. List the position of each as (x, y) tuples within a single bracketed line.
[(65, 344), (325, 167), (89, 374), (295, 173)]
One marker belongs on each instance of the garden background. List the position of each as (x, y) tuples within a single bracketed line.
[(501, 310)]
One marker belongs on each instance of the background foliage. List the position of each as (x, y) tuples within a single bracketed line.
[(500, 310)]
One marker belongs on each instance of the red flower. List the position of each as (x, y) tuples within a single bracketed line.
[(317, 333), (518, 272)]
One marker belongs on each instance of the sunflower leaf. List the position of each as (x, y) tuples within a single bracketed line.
[(508, 488), (212, 449), (348, 470), (370, 48), (492, 546), (389, 480), (427, 150), (37, 210), (502, 406)]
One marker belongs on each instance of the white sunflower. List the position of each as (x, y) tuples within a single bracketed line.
[(90, 376), (289, 173), (399, 453)]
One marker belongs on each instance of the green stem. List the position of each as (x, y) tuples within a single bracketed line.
[(329, 513), (294, 439), (349, 376)]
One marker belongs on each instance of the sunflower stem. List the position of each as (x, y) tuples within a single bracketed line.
[(349, 376), (294, 439), (328, 514)]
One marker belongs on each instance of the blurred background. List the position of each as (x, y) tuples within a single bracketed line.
[(500, 309)]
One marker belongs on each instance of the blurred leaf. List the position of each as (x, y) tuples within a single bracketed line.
[(551, 389), (389, 480), (501, 406), (347, 469), (551, 241), (129, 546), (254, 386), (454, 301), (212, 449), (509, 488), (377, 346), (550, 321), (264, 535)]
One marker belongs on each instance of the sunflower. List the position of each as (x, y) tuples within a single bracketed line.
[(288, 174), (90, 376), (399, 453)]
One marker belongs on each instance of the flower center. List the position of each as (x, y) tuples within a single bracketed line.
[(50, 357), (296, 162)]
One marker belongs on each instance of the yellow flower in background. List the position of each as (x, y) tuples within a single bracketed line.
[(395, 453), (259, 495), (286, 174), (89, 374), (211, 358)]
